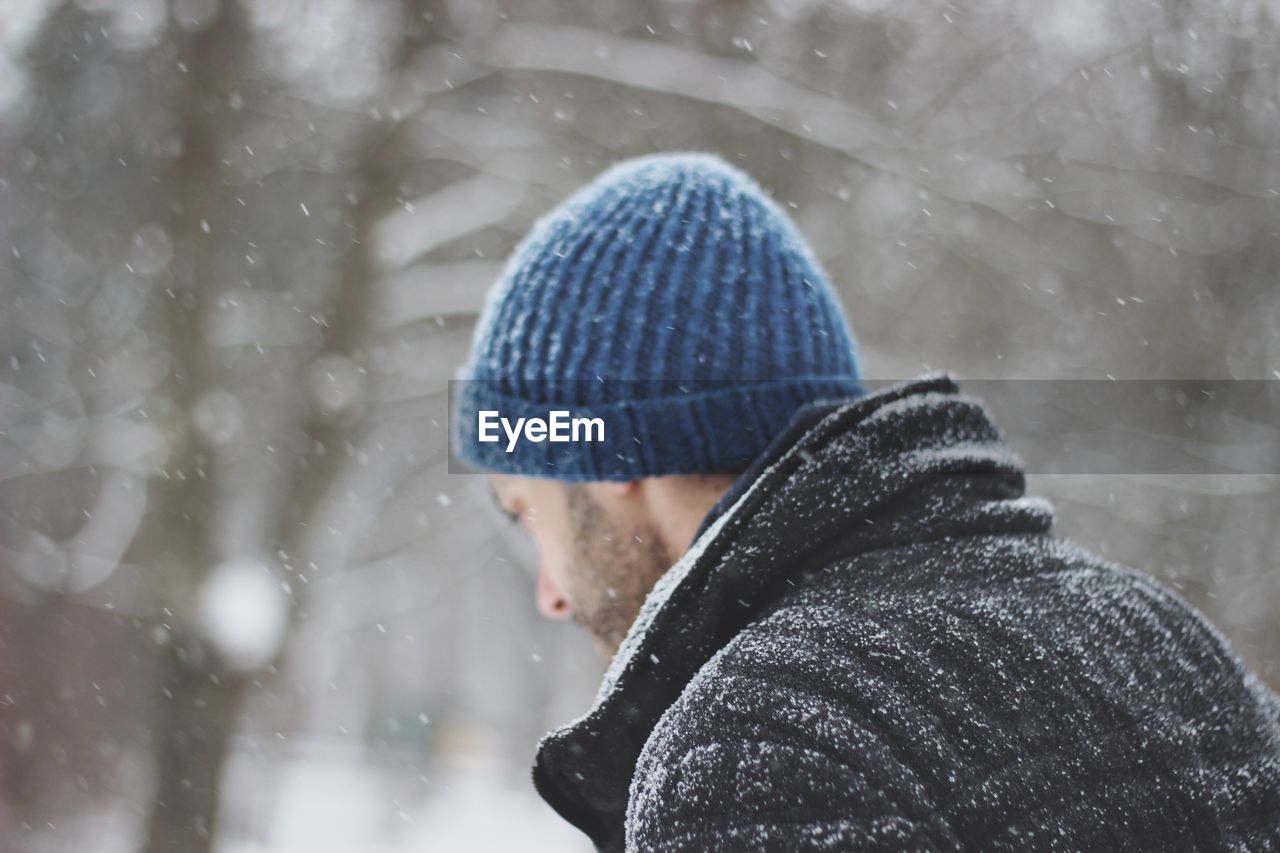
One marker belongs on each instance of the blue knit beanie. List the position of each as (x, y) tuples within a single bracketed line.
[(673, 300)]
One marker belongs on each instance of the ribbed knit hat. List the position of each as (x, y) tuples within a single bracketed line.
[(672, 299)]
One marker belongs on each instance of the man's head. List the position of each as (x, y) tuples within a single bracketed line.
[(672, 301), (602, 546)]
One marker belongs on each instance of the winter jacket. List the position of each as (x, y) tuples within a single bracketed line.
[(880, 645)]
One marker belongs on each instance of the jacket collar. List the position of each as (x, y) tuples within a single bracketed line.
[(830, 486), (801, 422)]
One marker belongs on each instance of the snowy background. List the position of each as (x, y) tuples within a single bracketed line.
[(243, 606)]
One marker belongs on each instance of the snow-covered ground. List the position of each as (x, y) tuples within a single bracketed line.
[(336, 804)]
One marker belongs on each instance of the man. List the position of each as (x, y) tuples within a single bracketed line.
[(837, 621)]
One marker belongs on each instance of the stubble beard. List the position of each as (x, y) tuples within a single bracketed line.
[(611, 570)]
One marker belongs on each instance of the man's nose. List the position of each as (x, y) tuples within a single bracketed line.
[(551, 603)]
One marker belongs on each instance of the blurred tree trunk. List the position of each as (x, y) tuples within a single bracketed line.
[(374, 180), (191, 747), (199, 701)]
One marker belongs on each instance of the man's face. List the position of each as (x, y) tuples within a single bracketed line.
[(599, 553)]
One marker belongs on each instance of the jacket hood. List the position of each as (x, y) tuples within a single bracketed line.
[(912, 462)]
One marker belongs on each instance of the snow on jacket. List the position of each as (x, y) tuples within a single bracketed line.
[(881, 646)]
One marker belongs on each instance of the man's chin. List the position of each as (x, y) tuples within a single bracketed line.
[(606, 642), (606, 648)]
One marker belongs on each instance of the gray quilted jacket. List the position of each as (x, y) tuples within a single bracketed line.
[(880, 645)]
